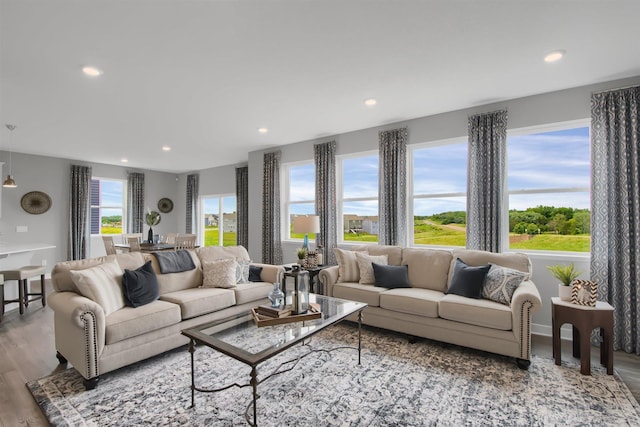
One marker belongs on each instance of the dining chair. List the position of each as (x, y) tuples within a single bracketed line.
[(171, 237), (134, 244), (109, 246), (126, 236), (185, 241)]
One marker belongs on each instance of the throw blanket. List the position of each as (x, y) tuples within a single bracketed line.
[(174, 262)]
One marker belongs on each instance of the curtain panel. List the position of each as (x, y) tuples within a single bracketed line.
[(191, 218), (242, 206), (615, 209), (79, 213), (135, 202), (486, 180), (271, 242), (325, 161), (392, 189)]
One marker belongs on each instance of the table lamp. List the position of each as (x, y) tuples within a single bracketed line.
[(306, 224)]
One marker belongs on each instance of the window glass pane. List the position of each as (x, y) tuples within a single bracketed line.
[(107, 206), (550, 220), (360, 177), (558, 159), (300, 209), (440, 169), (440, 221), (211, 214), (302, 182), (360, 221), (229, 221)]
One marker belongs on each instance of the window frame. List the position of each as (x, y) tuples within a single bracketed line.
[(340, 199), (528, 130), (285, 191), (101, 207), (201, 213), (411, 185)]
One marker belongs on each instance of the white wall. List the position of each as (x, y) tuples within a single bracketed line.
[(555, 107)]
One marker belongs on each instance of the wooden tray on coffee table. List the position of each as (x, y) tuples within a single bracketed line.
[(262, 320)]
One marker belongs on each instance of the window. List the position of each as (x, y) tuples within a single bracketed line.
[(107, 206), (549, 189), (219, 213), (438, 193), (359, 198), (300, 194)]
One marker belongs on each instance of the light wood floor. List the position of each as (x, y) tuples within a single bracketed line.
[(27, 352)]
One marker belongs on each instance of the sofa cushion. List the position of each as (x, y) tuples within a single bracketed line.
[(219, 274), (198, 301), (517, 261), (423, 302), (428, 268), (140, 286), (347, 265), (102, 284), (393, 253), (357, 292), (253, 291), (480, 312), (254, 273), (172, 282), (212, 253), (364, 261), (242, 271), (468, 281), (501, 283), (391, 276), (130, 322)]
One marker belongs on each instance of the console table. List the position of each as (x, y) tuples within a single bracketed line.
[(584, 320)]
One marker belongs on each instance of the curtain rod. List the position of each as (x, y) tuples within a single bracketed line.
[(619, 88)]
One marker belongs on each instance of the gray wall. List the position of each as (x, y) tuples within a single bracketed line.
[(549, 108)]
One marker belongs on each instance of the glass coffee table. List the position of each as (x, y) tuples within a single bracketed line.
[(239, 337)]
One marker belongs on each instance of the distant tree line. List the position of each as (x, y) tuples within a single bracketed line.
[(113, 219), (541, 219)]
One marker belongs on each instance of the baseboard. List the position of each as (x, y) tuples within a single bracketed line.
[(547, 331)]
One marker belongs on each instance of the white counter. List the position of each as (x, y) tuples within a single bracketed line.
[(7, 249)]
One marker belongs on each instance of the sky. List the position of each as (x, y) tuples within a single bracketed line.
[(212, 204), (541, 161)]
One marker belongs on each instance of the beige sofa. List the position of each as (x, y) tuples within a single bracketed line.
[(96, 343), (425, 310)]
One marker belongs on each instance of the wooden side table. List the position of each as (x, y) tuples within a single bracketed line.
[(584, 320)]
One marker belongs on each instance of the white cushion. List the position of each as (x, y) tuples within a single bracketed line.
[(348, 270), (219, 274), (501, 283), (242, 271), (102, 284), (364, 261)]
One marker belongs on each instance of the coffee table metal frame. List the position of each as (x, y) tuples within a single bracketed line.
[(197, 335)]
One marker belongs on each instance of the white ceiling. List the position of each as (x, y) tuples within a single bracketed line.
[(202, 76)]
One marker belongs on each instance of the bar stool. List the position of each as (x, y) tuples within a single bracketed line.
[(22, 275)]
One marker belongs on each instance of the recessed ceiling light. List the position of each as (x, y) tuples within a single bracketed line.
[(263, 130), (370, 102), (554, 56), (166, 148), (92, 71), (124, 160)]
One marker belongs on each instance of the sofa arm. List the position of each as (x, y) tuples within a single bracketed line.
[(329, 277), (79, 330), (524, 303), (270, 273)]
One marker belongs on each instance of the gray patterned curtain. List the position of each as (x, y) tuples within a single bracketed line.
[(271, 244), (192, 205), (79, 208), (486, 180), (392, 191), (242, 206), (325, 162), (615, 209), (135, 202)]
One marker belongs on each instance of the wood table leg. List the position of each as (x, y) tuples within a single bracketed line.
[(557, 349), (576, 341)]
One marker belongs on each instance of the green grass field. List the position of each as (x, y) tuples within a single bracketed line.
[(555, 242), (211, 236)]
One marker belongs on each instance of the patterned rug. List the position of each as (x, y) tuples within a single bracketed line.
[(398, 384)]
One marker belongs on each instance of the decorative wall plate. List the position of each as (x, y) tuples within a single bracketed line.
[(165, 205), (35, 202)]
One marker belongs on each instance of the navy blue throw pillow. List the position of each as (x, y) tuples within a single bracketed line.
[(254, 273), (140, 286), (468, 281), (391, 276)]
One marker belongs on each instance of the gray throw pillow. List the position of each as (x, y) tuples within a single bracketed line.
[(501, 283), (391, 276), (468, 281), (140, 286)]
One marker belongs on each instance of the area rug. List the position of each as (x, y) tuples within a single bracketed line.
[(398, 384)]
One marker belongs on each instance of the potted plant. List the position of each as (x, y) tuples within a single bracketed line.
[(565, 274), (301, 253), (152, 218)]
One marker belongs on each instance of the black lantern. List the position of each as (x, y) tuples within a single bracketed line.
[(300, 292)]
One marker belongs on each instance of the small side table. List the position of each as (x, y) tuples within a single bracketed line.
[(313, 276), (584, 320)]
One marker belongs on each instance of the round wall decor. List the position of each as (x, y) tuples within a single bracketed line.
[(165, 205), (35, 202)]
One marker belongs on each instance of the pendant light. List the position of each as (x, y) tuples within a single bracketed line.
[(10, 182)]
